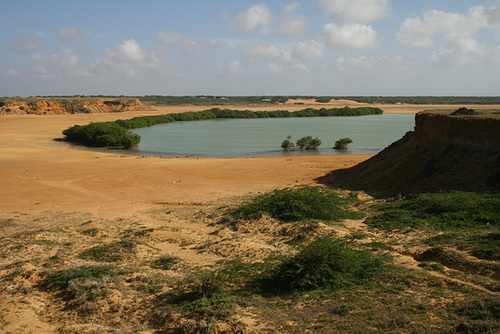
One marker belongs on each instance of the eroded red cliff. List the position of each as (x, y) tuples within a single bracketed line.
[(443, 153), (43, 107)]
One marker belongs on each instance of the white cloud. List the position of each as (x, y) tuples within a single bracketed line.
[(124, 59), (12, 73), (171, 37), (292, 24), (350, 64), (27, 43), (66, 64), (189, 47), (354, 35), (300, 68), (307, 50), (356, 10), (127, 52), (70, 34), (234, 67), (275, 68), (258, 16), (435, 26), (257, 50), (454, 34)]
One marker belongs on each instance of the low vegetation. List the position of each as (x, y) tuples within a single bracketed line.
[(299, 203), (108, 134), (482, 316), (325, 264), (80, 285), (440, 211), (339, 278), (113, 252), (342, 143), (464, 111), (210, 100), (307, 143)]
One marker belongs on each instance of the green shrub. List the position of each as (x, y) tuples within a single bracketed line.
[(60, 280), (287, 144), (482, 245), (218, 306), (107, 134), (205, 294), (483, 316), (455, 260), (464, 111), (486, 246), (441, 211), (342, 143), (300, 203), (165, 262), (112, 252), (324, 264)]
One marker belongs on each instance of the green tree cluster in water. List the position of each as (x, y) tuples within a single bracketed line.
[(107, 134)]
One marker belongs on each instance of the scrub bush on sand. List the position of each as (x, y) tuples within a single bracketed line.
[(325, 264), (298, 204)]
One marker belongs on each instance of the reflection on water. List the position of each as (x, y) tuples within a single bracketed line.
[(262, 137)]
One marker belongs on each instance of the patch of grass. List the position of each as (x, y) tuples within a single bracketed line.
[(482, 245), (206, 294), (152, 283), (483, 316), (324, 264), (112, 252), (440, 211), (431, 266), (93, 231), (219, 306), (457, 261), (143, 232), (485, 247), (298, 204), (6, 222), (44, 242), (60, 280), (165, 262)]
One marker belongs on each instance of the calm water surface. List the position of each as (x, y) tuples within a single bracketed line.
[(261, 137)]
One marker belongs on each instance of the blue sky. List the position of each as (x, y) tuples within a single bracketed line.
[(227, 47)]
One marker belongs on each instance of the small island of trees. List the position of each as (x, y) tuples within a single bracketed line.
[(307, 143), (342, 143)]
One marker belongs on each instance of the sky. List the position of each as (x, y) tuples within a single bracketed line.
[(240, 47)]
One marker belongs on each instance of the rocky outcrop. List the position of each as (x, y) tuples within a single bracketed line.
[(43, 107), (442, 153)]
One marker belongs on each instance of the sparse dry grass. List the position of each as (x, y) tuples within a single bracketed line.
[(191, 269)]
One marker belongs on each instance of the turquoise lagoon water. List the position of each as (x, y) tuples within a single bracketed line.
[(263, 136)]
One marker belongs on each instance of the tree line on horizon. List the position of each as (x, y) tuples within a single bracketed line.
[(212, 100)]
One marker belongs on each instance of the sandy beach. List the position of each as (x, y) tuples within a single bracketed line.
[(39, 173)]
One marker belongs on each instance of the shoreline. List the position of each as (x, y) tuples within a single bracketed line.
[(39, 174)]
